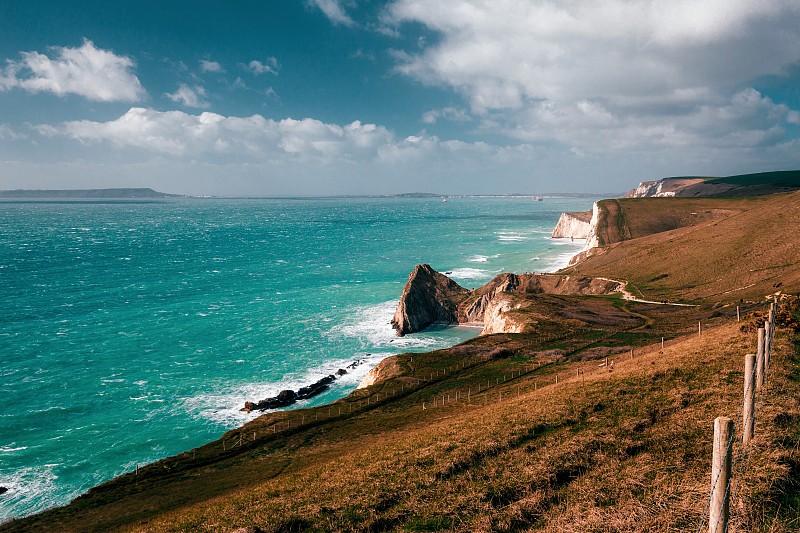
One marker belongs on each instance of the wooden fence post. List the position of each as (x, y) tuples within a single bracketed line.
[(748, 420), (720, 475), (767, 341), (760, 359), (738, 316)]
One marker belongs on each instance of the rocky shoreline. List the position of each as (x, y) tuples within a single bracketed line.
[(288, 397)]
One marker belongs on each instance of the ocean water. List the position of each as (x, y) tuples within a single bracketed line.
[(131, 331)]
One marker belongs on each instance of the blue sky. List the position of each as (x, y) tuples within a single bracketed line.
[(317, 97)]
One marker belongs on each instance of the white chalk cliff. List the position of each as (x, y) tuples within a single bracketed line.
[(573, 225)]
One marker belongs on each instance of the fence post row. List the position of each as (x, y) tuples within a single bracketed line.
[(755, 370)]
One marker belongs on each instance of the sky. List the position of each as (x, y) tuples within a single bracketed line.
[(329, 97)]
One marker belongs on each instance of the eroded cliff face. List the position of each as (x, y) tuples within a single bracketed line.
[(576, 225), (430, 297), (387, 369), (666, 187)]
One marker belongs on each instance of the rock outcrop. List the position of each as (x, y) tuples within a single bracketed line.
[(427, 298), (387, 369), (576, 225), (288, 396), (491, 306)]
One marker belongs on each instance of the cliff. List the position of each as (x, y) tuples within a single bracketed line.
[(667, 187), (427, 298), (575, 225), (430, 297), (758, 184), (387, 369)]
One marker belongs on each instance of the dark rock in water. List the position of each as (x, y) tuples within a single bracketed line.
[(3, 490), (287, 395), (314, 389), (284, 398), (428, 297), (356, 363)]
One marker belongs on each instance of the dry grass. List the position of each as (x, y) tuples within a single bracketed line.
[(747, 254), (629, 450), (626, 449)]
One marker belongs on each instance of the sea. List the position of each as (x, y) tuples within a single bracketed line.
[(135, 330)]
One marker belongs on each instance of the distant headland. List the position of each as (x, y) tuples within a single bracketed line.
[(120, 193)]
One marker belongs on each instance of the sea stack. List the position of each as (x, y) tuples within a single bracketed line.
[(428, 298)]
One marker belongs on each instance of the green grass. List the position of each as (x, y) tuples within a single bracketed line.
[(785, 179)]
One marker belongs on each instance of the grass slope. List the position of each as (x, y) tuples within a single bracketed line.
[(499, 445), (749, 250), (621, 450)]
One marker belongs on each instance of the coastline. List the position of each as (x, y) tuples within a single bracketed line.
[(231, 331), (437, 376)]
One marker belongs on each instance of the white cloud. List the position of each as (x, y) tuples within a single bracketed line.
[(189, 96), (448, 113), (188, 152), (7, 133), (87, 71), (270, 66), (502, 53), (334, 11), (618, 74), (178, 134), (211, 66)]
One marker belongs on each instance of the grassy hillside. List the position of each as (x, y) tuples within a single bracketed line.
[(620, 450), (481, 437), (746, 248), (631, 218), (739, 185), (789, 179)]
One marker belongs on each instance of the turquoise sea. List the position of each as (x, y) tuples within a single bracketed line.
[(131, 331)]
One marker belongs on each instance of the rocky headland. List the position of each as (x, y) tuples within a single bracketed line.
[(429, 297)]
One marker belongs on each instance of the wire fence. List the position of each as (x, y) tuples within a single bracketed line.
[(728, 467), (729, 463)]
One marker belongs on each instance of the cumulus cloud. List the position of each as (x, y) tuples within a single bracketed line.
[(181, 134), (612, 74), (189, 96), (269, 66), (87, 71), (334, 11), (211, 66)]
